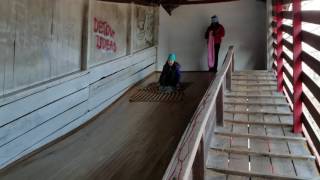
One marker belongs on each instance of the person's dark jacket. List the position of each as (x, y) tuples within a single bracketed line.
[(218, 32), (170, 75)]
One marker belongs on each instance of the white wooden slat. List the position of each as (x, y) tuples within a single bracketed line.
[(100, 85), (36, 118), (66, 129), (38, 100), (69, 123), (109, 91), (15, 96), (106, 69), (21, 144)]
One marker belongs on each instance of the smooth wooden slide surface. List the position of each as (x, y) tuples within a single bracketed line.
[(125, 141)]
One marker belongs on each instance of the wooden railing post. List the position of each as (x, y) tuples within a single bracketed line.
[(198, 164), (297, 68), (232, 64), (219, 106), (229, 78)]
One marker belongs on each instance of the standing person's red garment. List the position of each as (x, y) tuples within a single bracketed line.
[(211, 51)]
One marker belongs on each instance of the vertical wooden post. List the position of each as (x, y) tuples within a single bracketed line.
[(198, 164), (232, 64), (219, 106), (130, 29), (87, 34), (297, 67), (229, 76), (279, 50)]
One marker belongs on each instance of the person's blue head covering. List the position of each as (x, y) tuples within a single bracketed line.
[(214, 19), (172, 57)]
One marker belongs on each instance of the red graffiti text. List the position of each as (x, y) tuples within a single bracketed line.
[(104, 36)]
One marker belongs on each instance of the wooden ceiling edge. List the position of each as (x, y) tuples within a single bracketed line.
[(139, 2), (197, 2)]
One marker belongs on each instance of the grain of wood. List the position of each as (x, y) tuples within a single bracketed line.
[(134, 139)]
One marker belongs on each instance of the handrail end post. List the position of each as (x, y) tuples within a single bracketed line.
[(219, 106)]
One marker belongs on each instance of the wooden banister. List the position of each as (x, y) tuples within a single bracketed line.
[(190, 145)]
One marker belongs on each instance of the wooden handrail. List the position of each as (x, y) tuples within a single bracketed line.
[(185, 154)]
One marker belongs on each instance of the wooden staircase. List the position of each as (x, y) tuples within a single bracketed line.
[(256, 141)]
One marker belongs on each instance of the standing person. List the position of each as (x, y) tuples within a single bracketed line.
[(218, 33), (170, 75)]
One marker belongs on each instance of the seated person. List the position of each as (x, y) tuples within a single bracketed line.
[(170, 75)]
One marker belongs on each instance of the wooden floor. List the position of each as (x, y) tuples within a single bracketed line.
[(256, 141), (126, 141)]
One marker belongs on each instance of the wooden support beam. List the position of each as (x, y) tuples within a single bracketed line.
[(287, 14), (311, 16), (287, 73), (254, 136), (311, 134), (268, 154), (286, 87), (287, 29), (314, 111), (312, 62), (287, 59), (311, 85), (287, 44), (311, 39), (297, 67)]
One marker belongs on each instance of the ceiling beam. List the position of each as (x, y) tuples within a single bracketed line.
[(190, 2)]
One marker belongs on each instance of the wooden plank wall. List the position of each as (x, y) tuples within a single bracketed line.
[(40, 40), (30, 122), (32, 117)]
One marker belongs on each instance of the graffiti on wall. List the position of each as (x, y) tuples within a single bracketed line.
[(105, 36), (109, 32), (144, 27)]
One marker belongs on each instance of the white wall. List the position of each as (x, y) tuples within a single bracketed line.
[(183, 33)]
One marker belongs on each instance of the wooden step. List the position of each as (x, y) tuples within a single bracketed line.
[(252, 90), (254, 136), (253, 70), (254, 74), (268, 154), (255, 96), (257, 123), (256, 103), (257, 174), (257, 112), (253, 79), (254, 84)]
